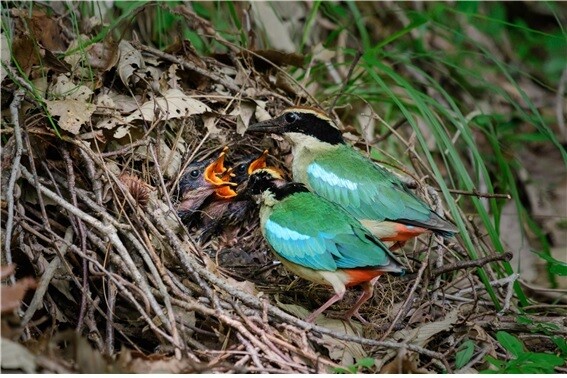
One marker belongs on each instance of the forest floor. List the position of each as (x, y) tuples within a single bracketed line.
[(99, 274)]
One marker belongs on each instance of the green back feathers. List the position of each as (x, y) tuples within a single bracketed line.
[(312, 232), (367, 190)]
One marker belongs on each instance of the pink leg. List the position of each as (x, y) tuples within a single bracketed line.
[(368, 288), (333, 299)]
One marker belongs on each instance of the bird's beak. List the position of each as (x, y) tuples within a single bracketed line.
[(215, 169), (258, 163), (273, 125), (225, 191)]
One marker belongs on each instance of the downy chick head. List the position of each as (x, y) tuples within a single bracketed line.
[(199, 182), (243, 169)]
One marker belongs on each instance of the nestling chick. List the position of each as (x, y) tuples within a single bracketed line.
[(230, 208), (198, 185)]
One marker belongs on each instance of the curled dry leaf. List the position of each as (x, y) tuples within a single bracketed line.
[(261, 113), (130, 61), (244, 115), (277, 33), (103, 55), (99, 56), (210, 123), (169, 160)]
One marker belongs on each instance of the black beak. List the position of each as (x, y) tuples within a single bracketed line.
[(273, 125)]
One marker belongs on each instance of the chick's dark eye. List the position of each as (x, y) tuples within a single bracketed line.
[(194, 173), (291, 117), (241, 168)]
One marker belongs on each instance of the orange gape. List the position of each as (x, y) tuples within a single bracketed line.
[(358, 276), (405, 233)]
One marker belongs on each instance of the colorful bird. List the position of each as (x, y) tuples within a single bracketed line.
[(318, 240), (229, 207), (199, 183), (334, 170)]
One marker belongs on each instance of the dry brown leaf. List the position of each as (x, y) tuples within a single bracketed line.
[(103, 55), (244, 115), (16, 357), (65, 89), (277, 33), (515, 239), (114, 106), (11, 296), (404, 363), (5, 55), (322, 54), (420, 336), (25, 52), (72, 113), (130, 61), (210, 122), (173, 104), (170, 160), (344, 352), (261, 113), (245, 286), (100, 56), (173, 79), (46, 31)]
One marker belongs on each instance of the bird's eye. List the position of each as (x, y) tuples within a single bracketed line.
[(241, 168), (194, 173), (291, 117)]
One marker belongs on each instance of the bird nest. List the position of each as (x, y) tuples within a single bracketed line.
[(89, 186)]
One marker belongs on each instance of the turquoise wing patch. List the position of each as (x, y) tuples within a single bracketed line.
[(312, 232), (365, 189)]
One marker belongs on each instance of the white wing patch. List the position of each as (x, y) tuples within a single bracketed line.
[(330, 178), (284, 232)]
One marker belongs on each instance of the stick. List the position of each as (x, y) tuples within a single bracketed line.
[(14, 113), (345, 82), (463, 265)]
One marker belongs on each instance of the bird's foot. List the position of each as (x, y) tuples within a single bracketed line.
[(357, 315)]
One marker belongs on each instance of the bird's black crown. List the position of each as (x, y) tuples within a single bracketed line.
[(263, 180), (310, 123)]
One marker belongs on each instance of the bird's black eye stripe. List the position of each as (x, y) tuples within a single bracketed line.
[(194, 173), (291, 117), (241, 168)]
